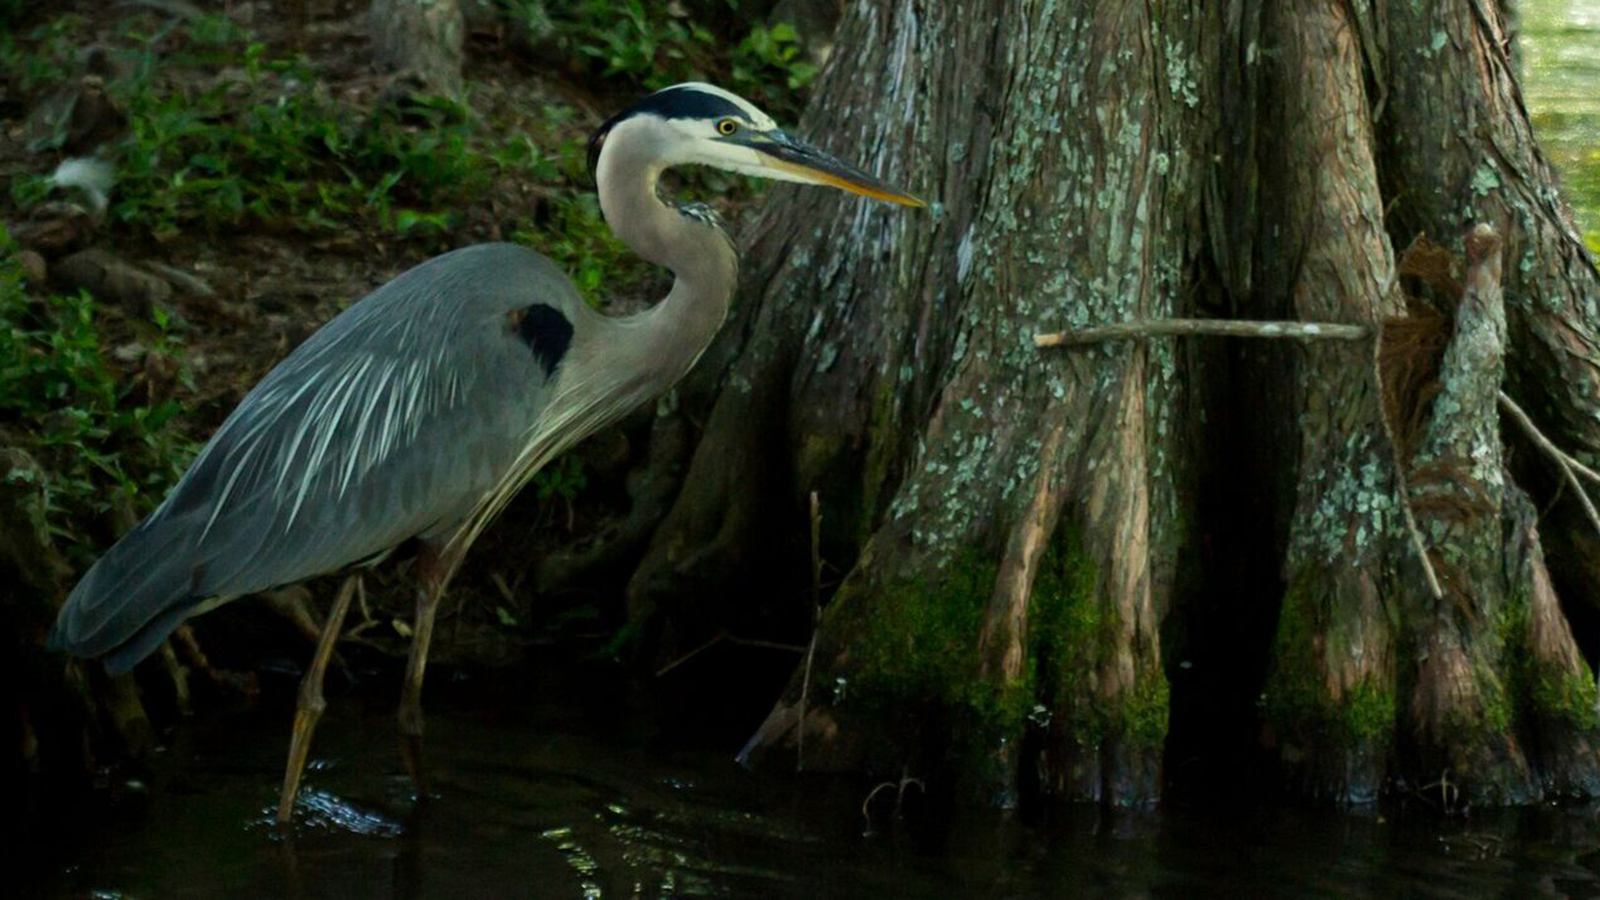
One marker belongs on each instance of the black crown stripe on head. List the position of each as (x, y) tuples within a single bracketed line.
[(685, 103), (669, 103)]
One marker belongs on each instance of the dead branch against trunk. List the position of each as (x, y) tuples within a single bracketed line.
[(1301, 331), (1571, 469), (1140, 330), (1493, 171), (1503, 699)]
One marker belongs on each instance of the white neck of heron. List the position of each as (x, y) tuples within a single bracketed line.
[(678, 329)]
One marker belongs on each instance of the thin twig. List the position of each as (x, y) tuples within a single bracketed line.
[(721, 636), (1139, 329), (691, 654), (197, 657), (1448, 793), (816, 625), (1402, 484), (762, 643), (1579, 467), (500, 585), (1569, 467), (1566, 459)]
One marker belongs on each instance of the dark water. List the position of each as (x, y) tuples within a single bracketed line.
[(585, 785)]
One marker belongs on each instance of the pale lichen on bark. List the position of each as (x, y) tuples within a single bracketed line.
[(1012, 522), (1076, 216)]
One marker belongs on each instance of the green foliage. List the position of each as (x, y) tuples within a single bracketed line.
[(577, 239), (214, 31), (1069, 634), (1065, 621), (1536, 687), (1369, 714), (643, 43), (769, 62), (648, 44), (105, 446), (223, 134), (45, 55), (921, 640), (1569, 696), (920, 645), (203, 158), (563, 478)]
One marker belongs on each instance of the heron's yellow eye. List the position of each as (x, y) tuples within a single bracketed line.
[(727, 126)]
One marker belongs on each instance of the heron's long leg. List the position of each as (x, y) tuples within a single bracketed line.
[(411, 694), (311, 704)]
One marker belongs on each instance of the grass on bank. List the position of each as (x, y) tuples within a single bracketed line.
[(224, 135)]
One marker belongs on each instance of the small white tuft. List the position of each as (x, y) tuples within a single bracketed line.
[(92, 176)]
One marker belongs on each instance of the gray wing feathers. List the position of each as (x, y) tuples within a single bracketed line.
[(389, 422)]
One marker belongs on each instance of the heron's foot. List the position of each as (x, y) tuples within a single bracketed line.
[(416, 666), (311, 702), (305, 722)]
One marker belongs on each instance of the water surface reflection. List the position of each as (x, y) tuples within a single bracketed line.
[(565, 798)]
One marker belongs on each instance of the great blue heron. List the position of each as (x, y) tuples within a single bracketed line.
[(417, 413)]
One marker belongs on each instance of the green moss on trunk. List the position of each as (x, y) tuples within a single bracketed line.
[(1066, 638), (918, 654), (1537, 688), (917, 657), (1300, 704)]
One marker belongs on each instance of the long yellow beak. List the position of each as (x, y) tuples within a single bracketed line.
[(784, 153)]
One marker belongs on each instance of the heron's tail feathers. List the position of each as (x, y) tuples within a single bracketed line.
[(139, 592)]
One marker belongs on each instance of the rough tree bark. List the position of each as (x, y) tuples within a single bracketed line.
[(420, 37), (1026, 536), (1007, 520)]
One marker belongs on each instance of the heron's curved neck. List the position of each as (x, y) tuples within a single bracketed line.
[(679, 327)]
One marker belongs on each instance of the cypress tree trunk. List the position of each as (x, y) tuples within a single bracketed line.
[(1037, 545), (420, 37)]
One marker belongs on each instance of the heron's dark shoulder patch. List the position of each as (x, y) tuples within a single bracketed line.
[(546, 331)]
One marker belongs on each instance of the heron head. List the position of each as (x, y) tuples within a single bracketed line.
[(696, 123)]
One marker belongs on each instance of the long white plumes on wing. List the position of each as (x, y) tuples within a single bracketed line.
[(94, 177)]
